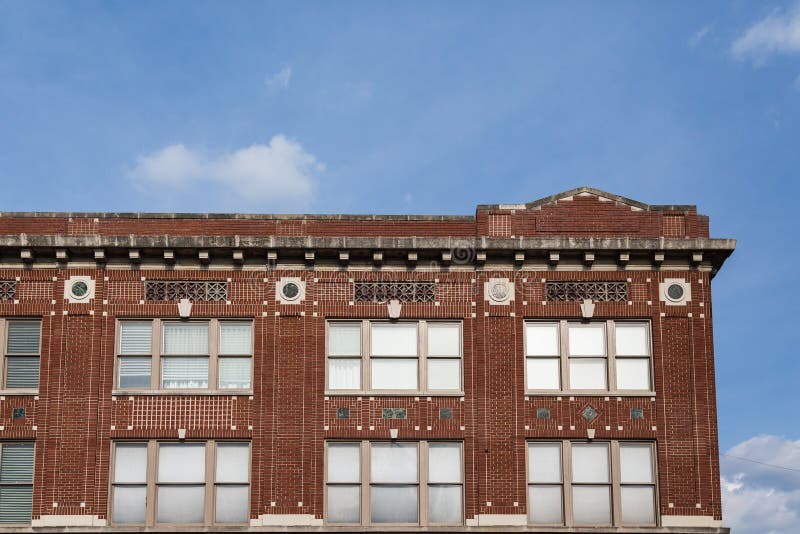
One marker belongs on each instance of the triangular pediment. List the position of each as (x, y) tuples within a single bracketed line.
[(586, 191)]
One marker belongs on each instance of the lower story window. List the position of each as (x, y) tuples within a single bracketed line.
[(594, 483), (192, 483), (16, 482), (394, 483)]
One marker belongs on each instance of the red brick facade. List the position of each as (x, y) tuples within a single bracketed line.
[(288, 417)]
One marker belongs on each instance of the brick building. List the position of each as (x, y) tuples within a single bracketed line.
[(538, 365)]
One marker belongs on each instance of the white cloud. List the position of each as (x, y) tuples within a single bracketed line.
[(777, 33), (700, 34), (758, 498), (279, 170), (279, 80)]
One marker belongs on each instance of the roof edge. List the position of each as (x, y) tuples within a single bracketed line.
[(552, 199)]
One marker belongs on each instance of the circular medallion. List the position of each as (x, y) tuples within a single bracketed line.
[(290, 290), (499, 291), (79, 289), (675, 292)]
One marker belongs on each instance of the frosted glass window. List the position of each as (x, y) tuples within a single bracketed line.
[(344, 462), (135, 337), (591, 504), (633, 373), (590, 462), (394, 373), (393, 462), (544, 503), (587, 373), (344, 339), (445, 504), (130, 463), (344, 373), (543, 373), (394, 504), (234, 373), (185, 338), (233, 462), (444, 340), (636, 463), (444, 462), (129, 504), (587, 340), (444, 374), (232, 504), (184, 462), (235, 338), (632, 339), (544, 462), (344, 504), (178, 372), (541, 339), (181, 504), (638, 505), (398, 339), (134, 371)]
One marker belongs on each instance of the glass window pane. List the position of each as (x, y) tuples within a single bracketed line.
[(134, 372), (233, 462), (344, 462), (398, 339), (636, 463), (181, 504), (445, 504), (185, 338), (393, 462), (16, 503), (344, 504), (638, 505), (23, 337), (541, 339), (444, 462), (344, 339), (587, 340), (17, 462), (591, 504), (232, 504), (394, 504), (129, 504), (543, 373), (394, 373), (184, 462), (344, 373), (545, 506), (235, 337), (234, 373), (590, 462), (444, 339), (135, 337), (130, 463), (633, 373), (444, 374), (22, 372), (544, 462), (177, 372), (587, 373), (632, 339)]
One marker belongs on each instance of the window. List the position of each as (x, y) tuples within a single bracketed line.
[(596, 483), (16, 482), (193, 483), (185, 355), (20, 354), (398, 357), (394, 483), (588, 357)]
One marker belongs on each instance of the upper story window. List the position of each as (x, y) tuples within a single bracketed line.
[(185, 355), (394, 357), (20, 353), (578, 357), (16, 482), (591, 483), (200, 483)]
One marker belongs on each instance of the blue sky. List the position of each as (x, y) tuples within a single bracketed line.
[(385, 107)]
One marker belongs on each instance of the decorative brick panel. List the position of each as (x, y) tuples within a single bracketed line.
[(594, 291), (402, 291), (186, 289)]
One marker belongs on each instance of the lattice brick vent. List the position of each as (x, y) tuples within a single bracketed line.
[(402, 291), (186, 289), (580, 291), (8, 289)]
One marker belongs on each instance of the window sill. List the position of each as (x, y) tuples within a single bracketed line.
[(18, 392), (178, 393), (349, 393), (584, 393)]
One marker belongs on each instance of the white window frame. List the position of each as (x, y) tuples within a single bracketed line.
[(422, 358), (4, 356), (610, 357)]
